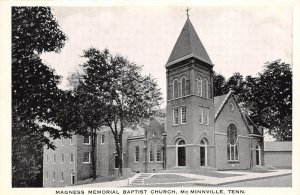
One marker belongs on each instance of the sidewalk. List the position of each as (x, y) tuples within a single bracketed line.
[(197, 179)]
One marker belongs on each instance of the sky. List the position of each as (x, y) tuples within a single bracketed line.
[(237, 39)]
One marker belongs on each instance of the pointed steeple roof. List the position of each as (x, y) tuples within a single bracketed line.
[(188, 45)]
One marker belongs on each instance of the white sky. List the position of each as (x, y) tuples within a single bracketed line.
[(237, 39)]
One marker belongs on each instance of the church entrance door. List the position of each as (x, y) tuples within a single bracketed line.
[(202, 156), (203, 153), (181, 153), (258, 160)]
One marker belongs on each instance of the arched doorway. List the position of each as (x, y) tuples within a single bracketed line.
[(258, 159), (203, 152), (181, 153)]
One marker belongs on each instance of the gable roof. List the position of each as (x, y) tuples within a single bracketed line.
[(220, 101), (255, 129), (188, 45), (139, 130)]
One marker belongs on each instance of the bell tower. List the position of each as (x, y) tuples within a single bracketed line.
[(190, 107)]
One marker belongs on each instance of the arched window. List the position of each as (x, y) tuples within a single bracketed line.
[(183, 86), (175, 89), (158, 152), (151, 152), (199, 86), (205, 88), (232, 141)]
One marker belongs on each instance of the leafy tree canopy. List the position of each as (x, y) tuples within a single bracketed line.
[(267, 98), (35, 96)]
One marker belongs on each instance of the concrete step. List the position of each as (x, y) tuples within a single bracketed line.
[(140, 179)]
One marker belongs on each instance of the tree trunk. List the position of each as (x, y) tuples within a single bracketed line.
[(94, 135), (120, 153)]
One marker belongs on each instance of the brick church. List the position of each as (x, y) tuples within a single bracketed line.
[(197, 130)]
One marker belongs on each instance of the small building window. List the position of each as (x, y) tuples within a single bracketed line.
[(206, 116), (71, 140), (46, 175), (201, 115), (62, 158), (136, 154), (183, 115), (47, 158), (53, 178), (175, 89), (102, 138), (158, 154), (54, 158), (86, 157), (232, 142), (175, 116), (71, 158), (87, 140)]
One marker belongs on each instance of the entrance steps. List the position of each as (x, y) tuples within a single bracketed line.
[(140, 178)]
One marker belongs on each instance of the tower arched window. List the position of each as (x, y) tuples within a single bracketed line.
[(232, 143), (175, 89), (205, 88), (183, 86), (199, 86)]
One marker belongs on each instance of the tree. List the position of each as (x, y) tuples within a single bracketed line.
[(269, 99), (219, 82), (35, 95), (235, 83), (126, 96), (87, 102)]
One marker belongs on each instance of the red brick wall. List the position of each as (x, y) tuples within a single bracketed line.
[(58, 167)]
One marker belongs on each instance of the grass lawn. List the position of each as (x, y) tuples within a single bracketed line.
[(167, 178)]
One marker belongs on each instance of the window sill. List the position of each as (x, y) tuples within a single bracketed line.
[(233, 161), (203, 124), (86, 162), (179, 124), (86, 144)]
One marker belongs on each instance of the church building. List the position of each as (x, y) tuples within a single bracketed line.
[(203, 130), (198, 130)]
